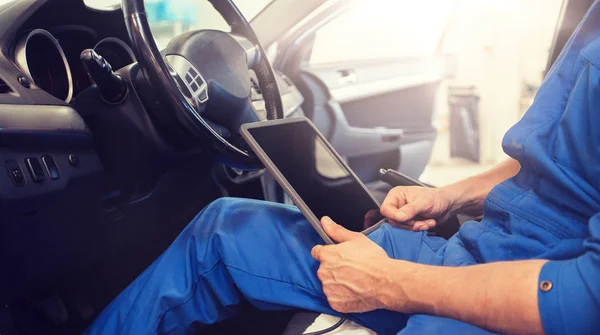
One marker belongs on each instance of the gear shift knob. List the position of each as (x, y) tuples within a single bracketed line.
[(113, 88)]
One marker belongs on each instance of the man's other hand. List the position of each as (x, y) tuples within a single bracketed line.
[(353, 271), (417, 208)]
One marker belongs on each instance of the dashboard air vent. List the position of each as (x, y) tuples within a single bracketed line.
[(3, 87)]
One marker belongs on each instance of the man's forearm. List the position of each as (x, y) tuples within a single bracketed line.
[(468, 195), (502, 298)]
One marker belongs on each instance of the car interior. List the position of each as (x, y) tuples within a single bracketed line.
[(110, 146)]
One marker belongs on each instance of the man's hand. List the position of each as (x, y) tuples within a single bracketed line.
[(352, 272), (358, 276), (417, 208), (421, 208)]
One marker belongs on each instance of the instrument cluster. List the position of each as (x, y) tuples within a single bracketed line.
[(51, 60)]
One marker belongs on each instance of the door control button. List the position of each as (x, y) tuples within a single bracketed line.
[(51, 167), (15, 173), (73, 159), (35, 169)]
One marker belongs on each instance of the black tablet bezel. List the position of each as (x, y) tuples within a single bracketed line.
[(268, 163)]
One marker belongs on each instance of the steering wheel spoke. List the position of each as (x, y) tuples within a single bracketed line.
[(252, 50), (189, 80)]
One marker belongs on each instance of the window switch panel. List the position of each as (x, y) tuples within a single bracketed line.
[(15, 173), (35, 169), (51, 167)]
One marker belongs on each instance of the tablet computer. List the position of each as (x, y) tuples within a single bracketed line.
[(313, 174)]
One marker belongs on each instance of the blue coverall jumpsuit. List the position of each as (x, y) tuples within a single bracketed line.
[(239, 250)]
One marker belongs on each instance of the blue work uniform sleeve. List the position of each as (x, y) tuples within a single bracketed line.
[(569, 290)]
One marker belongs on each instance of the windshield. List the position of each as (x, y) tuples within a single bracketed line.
[(250, 8), (169, 18), (387, 29)]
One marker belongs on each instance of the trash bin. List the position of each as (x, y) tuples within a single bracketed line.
[(464, 122)]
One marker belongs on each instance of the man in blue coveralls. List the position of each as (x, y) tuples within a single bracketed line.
[(532, 265)]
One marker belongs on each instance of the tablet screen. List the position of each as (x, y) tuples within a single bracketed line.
[(320, 179)]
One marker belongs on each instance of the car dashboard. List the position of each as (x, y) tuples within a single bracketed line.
[(42, 53), (40, 48), (61, 200)]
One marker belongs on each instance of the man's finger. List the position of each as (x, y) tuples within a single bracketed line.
[(316, 252), (410, 211), (414, 225), (404, 225), (388, 210), (390, 205), (337, 232), (424, 225)]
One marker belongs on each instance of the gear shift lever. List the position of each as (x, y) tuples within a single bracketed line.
[(113, 88)]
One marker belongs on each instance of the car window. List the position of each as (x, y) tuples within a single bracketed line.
[(169, 18), (377, 29)]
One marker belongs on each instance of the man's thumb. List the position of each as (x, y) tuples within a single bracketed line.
[(337, 232), (410, 211)]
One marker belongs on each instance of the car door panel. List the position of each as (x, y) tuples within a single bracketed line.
[(408, 108), (379, 112)]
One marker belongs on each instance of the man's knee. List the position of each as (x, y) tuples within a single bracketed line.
[(220, 204), (225, 205), (242, 218), (219, 212), (213, 211)]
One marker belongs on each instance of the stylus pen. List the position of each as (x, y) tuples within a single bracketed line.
[(396, 178)]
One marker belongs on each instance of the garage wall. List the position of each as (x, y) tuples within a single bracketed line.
[(501, 48)]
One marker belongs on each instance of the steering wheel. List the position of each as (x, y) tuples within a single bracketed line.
[(203, 82)]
